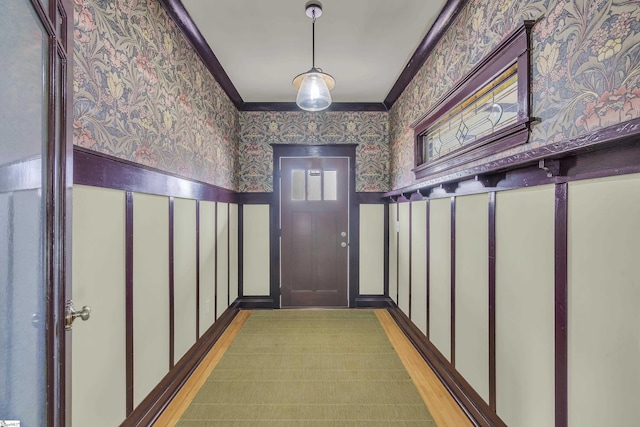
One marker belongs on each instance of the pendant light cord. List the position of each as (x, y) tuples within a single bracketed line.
[(313, 39)]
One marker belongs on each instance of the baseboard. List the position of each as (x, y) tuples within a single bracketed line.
[(373, 301), (251, 303), (152, 406), (471, 403)]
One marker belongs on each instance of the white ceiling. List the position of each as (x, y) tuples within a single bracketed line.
[(363, 44)]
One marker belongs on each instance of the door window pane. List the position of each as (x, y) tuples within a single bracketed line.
[(314, 185), (330, 185), (297, 184)]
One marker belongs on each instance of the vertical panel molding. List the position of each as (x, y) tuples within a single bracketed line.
[(561, 303), (492, 301), (129, 300), (453, 281), (171, 286), (428, 263), (197, 269)]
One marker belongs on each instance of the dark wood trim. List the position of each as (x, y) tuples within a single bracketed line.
[(148, 411), (129, 300), (370, 198), (596, 154), (428, 265), (386, 252), (449, 13), (315, 150), (102, 170), (469, 400), (240, 250), (197, 269), (177, 12), (453, 281), (171, 286), (492, 300), (215, 274), (561, 305), (250, 303), (373, 301), (228, 253), (291, 106), (254, 198), (410, 257)]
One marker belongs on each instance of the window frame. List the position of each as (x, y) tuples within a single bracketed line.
[(514, 49)]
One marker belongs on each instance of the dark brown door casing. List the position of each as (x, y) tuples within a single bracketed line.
[(314, 208)]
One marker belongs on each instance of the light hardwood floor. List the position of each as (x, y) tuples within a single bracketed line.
[(443, 408)]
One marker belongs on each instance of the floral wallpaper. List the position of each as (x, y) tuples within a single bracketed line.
[(141, 93), (368, 129), (585, 75)]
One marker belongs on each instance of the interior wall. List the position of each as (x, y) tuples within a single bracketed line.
[(370, 130), (585, 55), (372, 249), (122, 246), (143, 94)]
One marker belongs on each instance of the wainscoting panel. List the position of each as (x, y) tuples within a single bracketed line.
[(603, 297), (233, 252), (150, 292), (222, 281), (393, 252), (98, 345), (184, 262), (207, 265), (472, 291), (525, 306), (419, 265), (404, 253), (255, 250), (371, 249), (440, 275)]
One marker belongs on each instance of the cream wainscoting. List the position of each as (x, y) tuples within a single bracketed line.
[(372, 249), (255, 250)]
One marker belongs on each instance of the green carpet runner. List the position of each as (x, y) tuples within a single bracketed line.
[(309, 368)]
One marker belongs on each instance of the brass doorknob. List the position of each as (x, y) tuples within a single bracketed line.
[(71, 314)]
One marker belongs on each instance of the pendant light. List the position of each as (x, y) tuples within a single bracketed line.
[(313, 86)]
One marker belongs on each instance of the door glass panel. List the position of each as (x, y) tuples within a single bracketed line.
[(330, 185), (297, 184), (23, 135), (314, 185)]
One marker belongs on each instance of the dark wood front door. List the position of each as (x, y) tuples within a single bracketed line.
[(314, 204)]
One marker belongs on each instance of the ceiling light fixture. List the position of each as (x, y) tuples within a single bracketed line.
[(313, 86)]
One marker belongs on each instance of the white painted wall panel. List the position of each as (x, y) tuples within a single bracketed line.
[(150, 292), (525, 306), (371, 249), (222, 282), (207, 264), (98, 345), (604, 293), (419, 264), (255, 250), (393, 252), (440, 275), (403, 257), (472, 291), (184, 264), (233, 252)]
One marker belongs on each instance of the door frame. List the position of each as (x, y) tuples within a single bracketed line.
[(319, 150)]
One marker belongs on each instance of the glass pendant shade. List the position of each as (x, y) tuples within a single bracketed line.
[(313, 93)]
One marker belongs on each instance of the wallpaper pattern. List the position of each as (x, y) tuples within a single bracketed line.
[(368, 129), (585, 76), (141, 93)]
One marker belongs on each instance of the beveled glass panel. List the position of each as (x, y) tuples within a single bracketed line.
[(491, 108), (314, 185), (24, 115), (297, 184), (330, 185)]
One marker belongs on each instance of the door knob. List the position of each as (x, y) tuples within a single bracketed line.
[(70, 314), (343, 234), (343, 244)]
